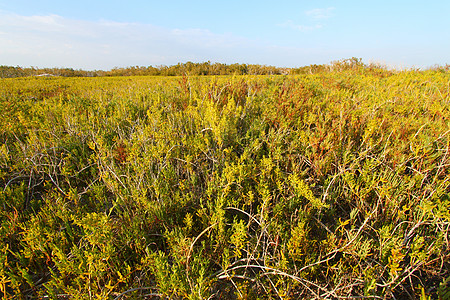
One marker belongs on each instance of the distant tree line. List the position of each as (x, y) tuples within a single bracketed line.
[(11, 72), (190, 68), (205, 68)]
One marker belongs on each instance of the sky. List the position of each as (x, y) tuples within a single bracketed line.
[(104, 34)]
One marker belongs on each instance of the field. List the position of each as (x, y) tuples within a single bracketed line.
[(317, 186)]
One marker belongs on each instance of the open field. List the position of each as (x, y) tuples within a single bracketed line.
[(325, 185)]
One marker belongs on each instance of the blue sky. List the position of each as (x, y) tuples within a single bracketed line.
[(107, 34)]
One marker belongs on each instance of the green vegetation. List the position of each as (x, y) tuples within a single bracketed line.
[(206, 68), (325, 185), (193, 69)]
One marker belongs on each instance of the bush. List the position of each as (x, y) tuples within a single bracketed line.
[(326, 185)]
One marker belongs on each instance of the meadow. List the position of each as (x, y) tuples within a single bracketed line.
[(327, 185)]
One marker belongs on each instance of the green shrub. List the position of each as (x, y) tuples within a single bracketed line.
[(327, 185)]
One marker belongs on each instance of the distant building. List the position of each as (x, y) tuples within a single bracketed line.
[(45, 75)]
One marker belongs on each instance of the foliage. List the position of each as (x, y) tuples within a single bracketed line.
[(205, 68), (325, 185)]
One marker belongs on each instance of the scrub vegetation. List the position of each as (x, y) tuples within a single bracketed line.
[(324, 185)]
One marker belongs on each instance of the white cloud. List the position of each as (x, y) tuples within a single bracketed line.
[(316, 17), (49, 23), (303, 28), (55, 41), (320, 13)]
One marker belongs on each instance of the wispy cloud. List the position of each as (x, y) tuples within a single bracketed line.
[(315, 18), (303, 28), (53, 40), (320, 13)]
